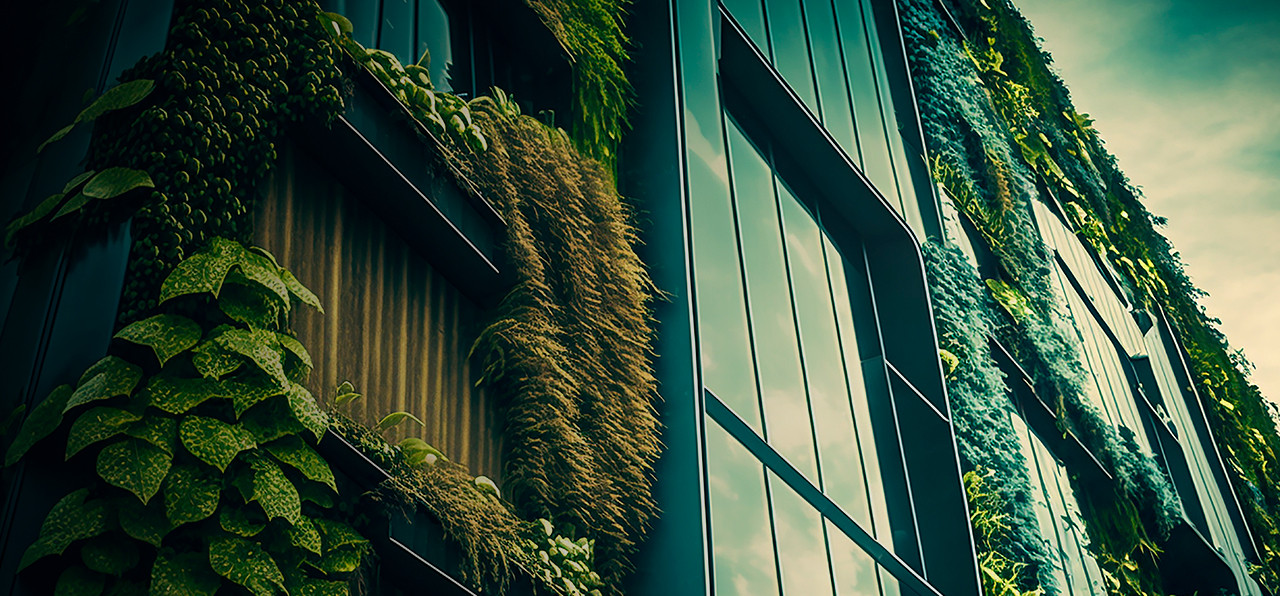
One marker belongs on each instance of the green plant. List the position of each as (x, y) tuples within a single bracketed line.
[(1001, 576), (561, 564), (203, 439), (590, 31), (442, 113), (569, 347)]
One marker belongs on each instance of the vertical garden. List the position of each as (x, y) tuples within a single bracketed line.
[(200, 442), (1002, 133)]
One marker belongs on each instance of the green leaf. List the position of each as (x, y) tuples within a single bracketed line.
[(177, 395), (56, 136), (41, 210), (271, 420), (485, 485), (247, 395), (306, 411), (250, 305), (71, 519), (395, 418), (44, 419), (98, 424), (337, 535), (293, 346), (300, 291), (339, 561), (113, 377), (273, 490), (167, 335), (258, 345), (260, 270), (190, 494), (78, 180), (183, 575), (242, 521), (119, 97), (336, 24), (302, 585), (72, 205), (296, 453), (109, 554), (213, 361), (78, 581), (127, 587), (157, 429), (134, 465), (204, 271), (213, 441), (303, 534), (346, 394), (316, 493), (143, 522), (245, 563), (113, 182)]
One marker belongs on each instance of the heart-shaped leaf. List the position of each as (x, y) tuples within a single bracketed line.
[(134, 465), (166, 334)]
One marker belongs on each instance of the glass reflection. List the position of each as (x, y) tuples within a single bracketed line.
[(837, 439), (802, 548), (722, 310), (790, 48), (741, 537), (780, 378), (855, 570)]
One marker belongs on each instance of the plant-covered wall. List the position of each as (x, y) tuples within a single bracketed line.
[(1002, 129), (207, 440)]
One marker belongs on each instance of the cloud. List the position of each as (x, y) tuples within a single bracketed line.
[(1186, 99)]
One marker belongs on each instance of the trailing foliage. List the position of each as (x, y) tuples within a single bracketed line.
[(495, 543), (1001, 575), (991, 147), (203, 438), (569, 349), (985, 434), (1058, 145), (591, 32)]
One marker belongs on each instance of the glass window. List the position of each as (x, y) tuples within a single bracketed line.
[(788, 424), (802, 546), (741, 535), (789, 43)]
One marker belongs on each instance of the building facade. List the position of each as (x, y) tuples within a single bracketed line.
[(787, 175)]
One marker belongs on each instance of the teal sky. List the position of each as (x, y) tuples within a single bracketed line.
[(1186, 94)]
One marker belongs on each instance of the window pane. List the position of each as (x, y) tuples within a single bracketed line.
[(838, 449), (790, 48), (828, 68), (781, 380), (864, 89), (802, 548), (433, 36), (727, 362), (741, 540), (750, 14), (846, 292), (855, 570)]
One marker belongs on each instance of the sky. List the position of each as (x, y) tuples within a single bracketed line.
[(1186, 94)]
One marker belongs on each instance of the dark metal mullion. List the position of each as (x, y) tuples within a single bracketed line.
[(377, 27), (901, 459), (780, 467)]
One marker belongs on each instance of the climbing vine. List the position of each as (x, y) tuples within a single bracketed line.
[(204, 443)]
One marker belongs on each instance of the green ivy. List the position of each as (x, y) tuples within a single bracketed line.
[(207, 474)]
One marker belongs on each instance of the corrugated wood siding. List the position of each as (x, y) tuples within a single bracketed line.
[(392, 325)]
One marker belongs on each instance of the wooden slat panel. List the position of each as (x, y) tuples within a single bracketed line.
[(393, 326)]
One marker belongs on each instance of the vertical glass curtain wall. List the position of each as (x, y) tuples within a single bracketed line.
[(829, 54), (779, 350)]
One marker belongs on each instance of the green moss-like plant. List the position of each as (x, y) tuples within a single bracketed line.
[(569, 350)]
